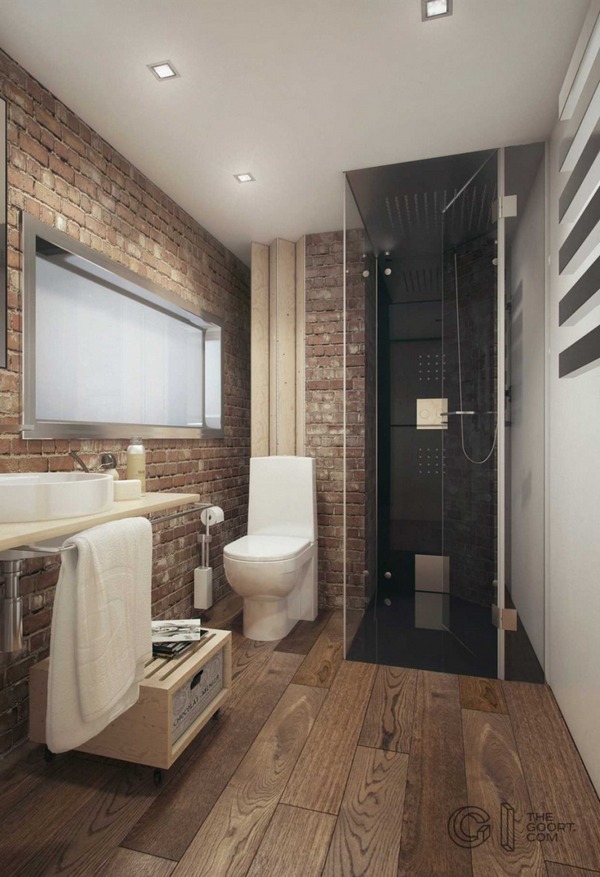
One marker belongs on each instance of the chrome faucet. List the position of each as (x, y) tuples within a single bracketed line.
[(107, 461)]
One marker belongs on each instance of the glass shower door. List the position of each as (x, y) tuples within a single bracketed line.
[(473, 427), (359, 428)]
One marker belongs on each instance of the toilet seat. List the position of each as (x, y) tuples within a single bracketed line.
[(266, 549), (266, 567)]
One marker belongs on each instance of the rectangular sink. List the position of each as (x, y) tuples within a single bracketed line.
[(49, 496)]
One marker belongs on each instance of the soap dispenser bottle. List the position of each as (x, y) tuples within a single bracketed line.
[(136, 462)]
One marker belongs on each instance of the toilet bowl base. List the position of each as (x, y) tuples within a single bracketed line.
[(267, 620)]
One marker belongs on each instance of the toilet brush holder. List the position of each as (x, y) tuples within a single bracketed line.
[(203, 587), (203, 573)]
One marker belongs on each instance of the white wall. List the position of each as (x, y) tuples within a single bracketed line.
[(527, 278), (573, 579)]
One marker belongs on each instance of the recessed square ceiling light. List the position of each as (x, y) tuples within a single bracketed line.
[(244, 178), (163, 70), (435, 8)]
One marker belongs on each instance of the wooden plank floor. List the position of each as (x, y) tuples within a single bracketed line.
[(305, 634), (557, 780), (481, 694), (366, 839), (389, 717), (232, 832), (494, 776), (168, 829), (324, 658), (436, 785), (320, 776), (289, 829), (334, 770)]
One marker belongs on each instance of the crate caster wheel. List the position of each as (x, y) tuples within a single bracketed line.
[(49, 756), (216, 715), (157, 776)]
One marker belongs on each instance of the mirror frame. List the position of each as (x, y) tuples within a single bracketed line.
[(3, 234), (32, 229)]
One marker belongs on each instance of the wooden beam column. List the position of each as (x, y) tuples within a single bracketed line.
[(300, 343), (259, 352), (277, 349)]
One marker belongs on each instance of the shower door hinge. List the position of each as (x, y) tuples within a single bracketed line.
[(505, 619), (504, 207)]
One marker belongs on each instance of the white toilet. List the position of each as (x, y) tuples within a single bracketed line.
[(274, 567)]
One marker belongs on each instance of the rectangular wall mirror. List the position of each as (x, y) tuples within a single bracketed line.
[(3, 209), (107, 353)]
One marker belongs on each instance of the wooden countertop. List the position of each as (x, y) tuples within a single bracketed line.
[(16, 535)]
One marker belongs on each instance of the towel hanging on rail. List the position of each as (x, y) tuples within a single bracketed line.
[(101, 630)]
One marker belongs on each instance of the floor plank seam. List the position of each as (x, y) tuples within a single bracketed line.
[(337, 815), (410, 756), (152, 855), (464, 761), (384, 749), (572, 867), (326, 856), (267, 826), (310, 809)]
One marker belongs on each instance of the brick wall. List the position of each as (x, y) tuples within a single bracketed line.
[(324, 408), (62, 172)]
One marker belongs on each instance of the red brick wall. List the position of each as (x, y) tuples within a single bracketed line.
[(324, 408), (62, 172)]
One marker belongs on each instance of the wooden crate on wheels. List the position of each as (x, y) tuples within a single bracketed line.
[(177, 698)]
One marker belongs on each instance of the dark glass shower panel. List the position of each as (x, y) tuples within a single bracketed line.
[(470, 485), (416, 455)]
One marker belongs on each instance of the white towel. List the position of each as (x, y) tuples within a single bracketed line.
[(101, 630)]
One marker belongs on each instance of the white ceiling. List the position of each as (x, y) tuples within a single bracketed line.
[(294, 92)]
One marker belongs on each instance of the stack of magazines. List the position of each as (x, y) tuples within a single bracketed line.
[(171, 638)]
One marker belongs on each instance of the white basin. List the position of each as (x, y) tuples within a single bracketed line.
[(47, 496)]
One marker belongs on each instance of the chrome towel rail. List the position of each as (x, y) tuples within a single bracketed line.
[(178, 514), (44, 550)]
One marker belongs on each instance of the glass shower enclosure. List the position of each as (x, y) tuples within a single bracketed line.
[(434, 421)]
